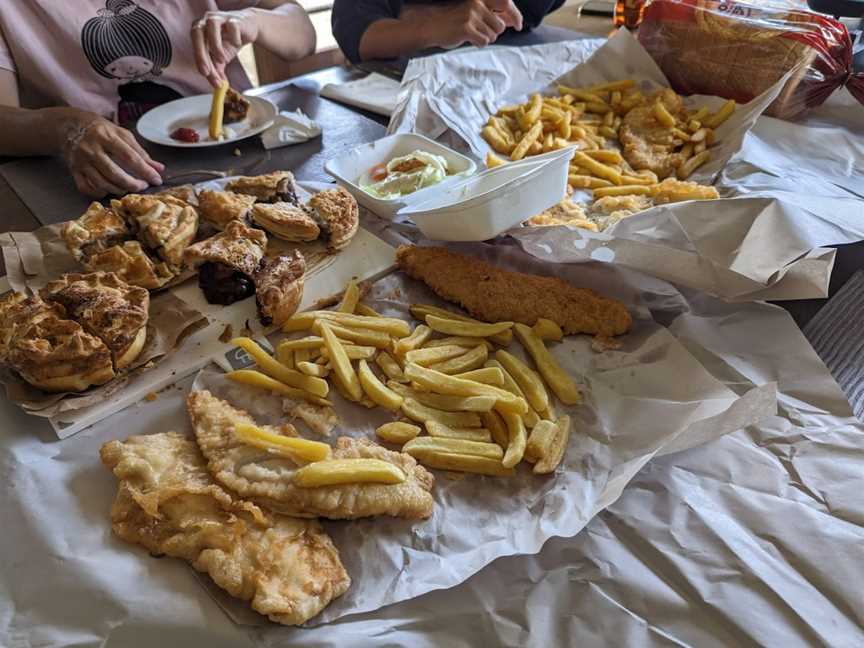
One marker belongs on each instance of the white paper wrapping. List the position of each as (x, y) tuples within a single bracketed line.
[(808, 179)]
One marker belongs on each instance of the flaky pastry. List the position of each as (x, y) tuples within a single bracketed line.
[(277, 186), (218, 208), (132, 264), (228, 262), (106, 307), (279, 287), (165, 224), (95, 230), (286, 221), (337, 214)]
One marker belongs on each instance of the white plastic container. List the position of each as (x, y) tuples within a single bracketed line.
[(348, 169), (493, 201)]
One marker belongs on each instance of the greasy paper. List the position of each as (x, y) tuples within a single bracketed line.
[(770, 247)]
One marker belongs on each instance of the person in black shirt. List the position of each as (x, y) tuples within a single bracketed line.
[(380, 29)]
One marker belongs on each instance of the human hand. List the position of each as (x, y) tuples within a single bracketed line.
[(479, 22), (216, 39), (105, 158)]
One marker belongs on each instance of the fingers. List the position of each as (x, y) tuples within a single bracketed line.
[(132, 161), (479, 35), (213, 33), (84, 185), (512, 16), (99, 184), (231, 33), (129, 138), (116, 177), (199, 46), (494, 23)]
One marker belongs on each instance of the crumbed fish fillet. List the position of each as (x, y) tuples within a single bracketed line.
[(266, 479), (288, 569)]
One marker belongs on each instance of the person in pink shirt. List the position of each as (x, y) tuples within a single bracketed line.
[(73, 75)]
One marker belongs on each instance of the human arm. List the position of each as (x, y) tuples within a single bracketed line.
[(103, 158), (389, 30), (279, 26)]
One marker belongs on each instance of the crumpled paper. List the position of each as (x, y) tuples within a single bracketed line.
[(631, 415), (290, 128), (374, 92), (724, 247)]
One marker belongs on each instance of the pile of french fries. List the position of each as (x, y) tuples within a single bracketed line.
[(590, 118), (484, 409)]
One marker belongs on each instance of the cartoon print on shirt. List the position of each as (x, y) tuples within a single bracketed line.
[(128, 43)]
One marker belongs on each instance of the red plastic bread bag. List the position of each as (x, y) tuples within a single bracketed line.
[(737, 50)]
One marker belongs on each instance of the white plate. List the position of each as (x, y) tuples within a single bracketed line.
[(194, 112)]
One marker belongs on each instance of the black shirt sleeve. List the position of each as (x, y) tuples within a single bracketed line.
[(351, 18), (533, 11)]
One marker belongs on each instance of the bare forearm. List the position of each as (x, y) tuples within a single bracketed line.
[(286, 31), (393, 38), (35, 132)]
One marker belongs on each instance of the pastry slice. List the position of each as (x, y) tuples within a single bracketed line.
[(167, 502), (279, 287), (228, 262), (286, 221), (236, 107), (132, 264), (96, 230), (278, 186), (186, 193), (18, 313), (221, 207), (266, 478), (165, 224), (337, 214), (58, 355), (107, 308)]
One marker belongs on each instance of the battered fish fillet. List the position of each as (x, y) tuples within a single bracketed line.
[(495, 295), (266, 478), (167, 502)]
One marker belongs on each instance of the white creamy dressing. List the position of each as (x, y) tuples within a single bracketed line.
[(398, 183)]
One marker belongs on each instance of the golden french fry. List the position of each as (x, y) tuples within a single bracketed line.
[(494, 138), (548, 142), (711, 137), (548, 330), (363, 309), (517, 437), (557, 379), (549, 414), (353, 351), (455, 446), (290, 446), (465, 342), (587, 182), (530, 384), (699, 135), (312, 369), (636, 180), (493, 160), (581, 94), (487, 375), (493, 422), (285, 357), (598, 107), (341, 364), (479, 435), (597, 168), (694, 125), (397, 432), (608, 131), (217, 110), (531, 417), (377, 391), (532, 112), (257, 379), (611, 86), (431, 355), (423, 414), (343, 392), (420, 311), (417, 339), (688, 167), (308, 342), (444, 384), (700, 114), (349, 298), (609, 157), (700, 146), (272, 368), (332, 472), (616, 97), (680, 134), (461, 463), (549, 462), (565, 125), (303, 355), (390, 367), (395, 327), (445, 402), (466, 329), (628, 190), (528, 140), (362, 337), (717, 118), (609, 119), (468, 361), (540, 440), (662, 115)]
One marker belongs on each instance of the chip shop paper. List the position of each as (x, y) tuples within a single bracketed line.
[(771, 246)]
